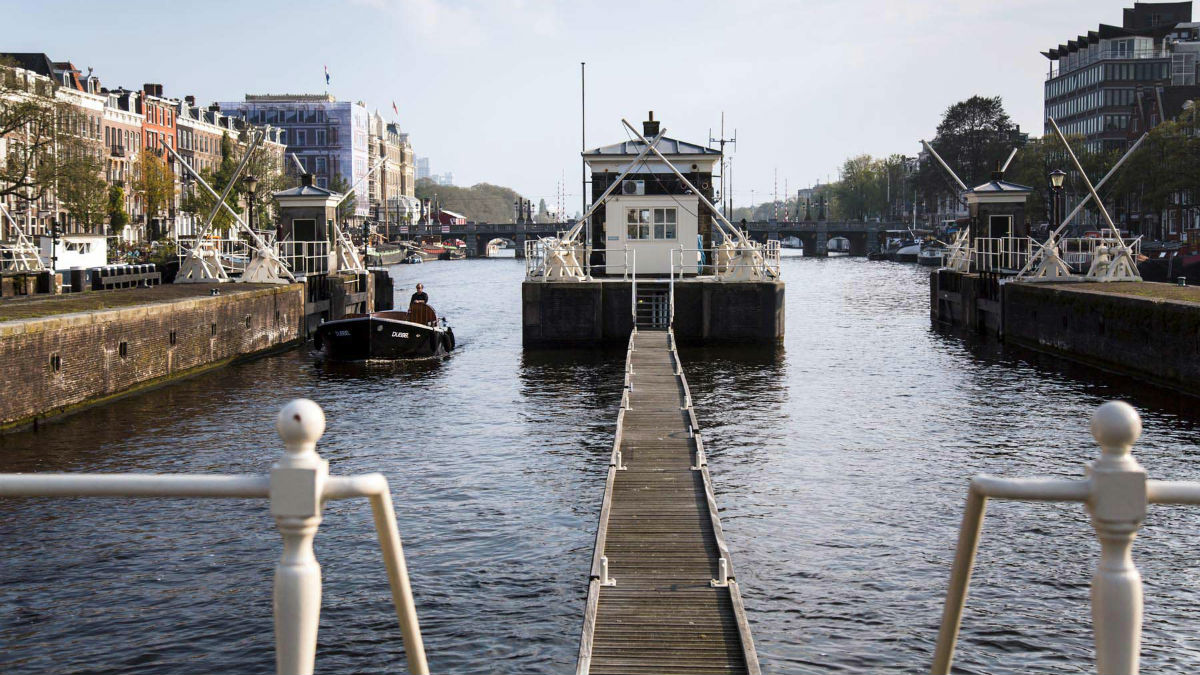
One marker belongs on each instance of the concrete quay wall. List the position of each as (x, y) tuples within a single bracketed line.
[(1151, 339), (1147, 336), (587, 314), (59, 363)]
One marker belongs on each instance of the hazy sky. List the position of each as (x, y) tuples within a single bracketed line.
[(490, 89)]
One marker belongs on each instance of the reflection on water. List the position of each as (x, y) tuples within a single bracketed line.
[(840, 461)]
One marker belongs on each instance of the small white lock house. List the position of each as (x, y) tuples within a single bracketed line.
[(652, 211)]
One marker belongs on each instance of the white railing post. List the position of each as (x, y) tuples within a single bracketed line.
[(297, 482), (605, 580), (1118, 507), (722, 580), (1116, 493)]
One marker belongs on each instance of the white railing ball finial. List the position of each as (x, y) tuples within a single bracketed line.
[(1116, 426), (300, 424)]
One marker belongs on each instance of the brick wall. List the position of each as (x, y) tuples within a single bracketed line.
[(55, 363)]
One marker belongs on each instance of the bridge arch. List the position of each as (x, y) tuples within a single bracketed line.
[(492, 247)]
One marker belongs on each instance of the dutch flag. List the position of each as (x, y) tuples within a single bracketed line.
[(326, 74)]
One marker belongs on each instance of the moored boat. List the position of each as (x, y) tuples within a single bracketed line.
[(931, 255), (415, 334)]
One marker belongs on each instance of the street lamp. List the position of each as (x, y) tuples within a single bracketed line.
[(1057, 177), (251, 184)]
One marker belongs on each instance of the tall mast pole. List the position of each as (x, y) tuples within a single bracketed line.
[(587, 237)]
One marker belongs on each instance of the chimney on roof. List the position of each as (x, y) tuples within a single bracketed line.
[(191, 100), (998, 174), (306, 180), (650, 127), (153, 89)]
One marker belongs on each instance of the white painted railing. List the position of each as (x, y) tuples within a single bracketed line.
[(297, 488), (1116, 493), (1080, 251), (234, 254), (535, 258), (305, 257), (736, 264), (995, 254)]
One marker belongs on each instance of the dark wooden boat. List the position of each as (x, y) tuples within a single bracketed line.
[(414, 334)]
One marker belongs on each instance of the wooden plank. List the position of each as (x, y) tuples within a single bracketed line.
[(662, 536)]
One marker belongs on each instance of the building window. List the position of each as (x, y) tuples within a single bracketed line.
[(664, 223), (637, 223), (123, 349), (173, 337), (301, 137), (320, 165), (55, 363)]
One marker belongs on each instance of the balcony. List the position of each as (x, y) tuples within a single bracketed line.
[(118, 151), (1111, 55)]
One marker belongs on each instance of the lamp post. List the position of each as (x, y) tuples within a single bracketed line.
[(251, 185), (1057, 177)]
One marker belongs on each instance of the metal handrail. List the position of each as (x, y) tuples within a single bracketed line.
[(771, 264), (1116, 492), (233, 253), (305, 257), (1110, 55), (633, 290), (671, 295), (297, 488)]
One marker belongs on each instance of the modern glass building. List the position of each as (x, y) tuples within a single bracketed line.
[(1093, 79)]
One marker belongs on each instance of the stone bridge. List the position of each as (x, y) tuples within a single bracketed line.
[(477, 235), (815, 234)]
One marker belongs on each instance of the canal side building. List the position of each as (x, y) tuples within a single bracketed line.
[(329, 137), (1093, 79), (652, 211)]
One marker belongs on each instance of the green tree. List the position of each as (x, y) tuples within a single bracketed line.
[(974, 137), (859, 193), (482, 203), (118, 218), (155, 183), (1165, 166), (264, 165), (81, 187), (33, 124), (346, 209)]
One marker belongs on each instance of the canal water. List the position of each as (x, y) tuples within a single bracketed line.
[(840, 460)]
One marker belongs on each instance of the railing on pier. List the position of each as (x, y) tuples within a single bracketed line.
[(1116, 493), (297, 488), (760, 262), (535, 257), (234, 254), (1014, 254), (996, 254), (616, 262), (305, 257), (1079, 252)]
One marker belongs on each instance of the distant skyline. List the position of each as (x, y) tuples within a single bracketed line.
[(490, 90)]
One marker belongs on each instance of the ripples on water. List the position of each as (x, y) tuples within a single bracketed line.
[(840, 461)]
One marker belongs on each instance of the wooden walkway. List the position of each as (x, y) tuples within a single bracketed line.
[(655, 601)]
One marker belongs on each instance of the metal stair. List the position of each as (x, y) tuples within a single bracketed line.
[(653, 308)]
